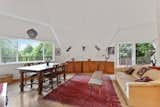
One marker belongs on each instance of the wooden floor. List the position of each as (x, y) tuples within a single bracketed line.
[(30, 98)]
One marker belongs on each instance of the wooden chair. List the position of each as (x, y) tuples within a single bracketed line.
[(60, 70), (50, 75), (30, 77)]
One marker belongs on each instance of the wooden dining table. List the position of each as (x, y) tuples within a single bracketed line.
[(39, 70)]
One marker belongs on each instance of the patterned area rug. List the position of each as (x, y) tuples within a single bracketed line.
[(76, 92)]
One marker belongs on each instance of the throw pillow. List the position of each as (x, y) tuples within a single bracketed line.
[(129, 71), (142, 71), (144, 79)]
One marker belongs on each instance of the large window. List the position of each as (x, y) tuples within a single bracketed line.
[(139, 53), (30, 50), (8, 51), (125, 54), (143, 53), (12, 50)]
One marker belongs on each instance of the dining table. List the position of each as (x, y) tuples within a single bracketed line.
[(39, 69)]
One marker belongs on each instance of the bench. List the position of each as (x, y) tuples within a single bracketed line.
[(96, 80)]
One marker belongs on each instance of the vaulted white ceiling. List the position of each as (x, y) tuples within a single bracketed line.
[(78, 22)]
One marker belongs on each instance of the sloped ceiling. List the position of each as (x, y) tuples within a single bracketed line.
[(88, 22), (12, 28)]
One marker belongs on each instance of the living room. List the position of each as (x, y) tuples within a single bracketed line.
[(92, 53)]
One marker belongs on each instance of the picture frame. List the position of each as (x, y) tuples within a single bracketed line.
[(111, 50)]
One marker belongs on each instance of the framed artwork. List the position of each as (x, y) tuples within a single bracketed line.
[(111, 50)]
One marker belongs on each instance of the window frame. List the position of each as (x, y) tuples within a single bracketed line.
[(17, 55), (133, 52), (136, 49)]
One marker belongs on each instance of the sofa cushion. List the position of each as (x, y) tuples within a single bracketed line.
[(137, 70), (153, 73), (144, 79), (129, 71), (142, 71)]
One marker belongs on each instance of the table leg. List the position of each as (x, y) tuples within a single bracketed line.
[(40, 83), (91, 89), (99, 89), (64, 76), (21, 81)]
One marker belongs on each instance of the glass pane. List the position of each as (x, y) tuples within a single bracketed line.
[(30, 50), (143, 53), (48, 50), (8, 50), (125, 54)]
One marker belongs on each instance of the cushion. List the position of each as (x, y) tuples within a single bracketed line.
[(144, 79), (156, 81), (129, 71), (142, 71), (153, 73), (137, 68)]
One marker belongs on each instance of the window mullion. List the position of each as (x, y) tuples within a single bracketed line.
[(17, 56), (0, 55), (133, 54), (43, 52)]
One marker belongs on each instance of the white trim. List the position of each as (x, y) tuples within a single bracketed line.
[(0, 54), (133, 53), (43, 51), (24, 62)]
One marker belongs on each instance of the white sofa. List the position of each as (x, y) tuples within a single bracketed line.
[(139, 94)]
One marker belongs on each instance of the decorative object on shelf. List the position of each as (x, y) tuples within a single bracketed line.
[(106, 55), (83, 48), (32, 33), (58, 51), (48, 61), (154, 61), (68, 49), (111, 50), (97, 48), (89, 59), (72, 59)]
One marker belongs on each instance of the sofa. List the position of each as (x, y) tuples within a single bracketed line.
[(139, 93)]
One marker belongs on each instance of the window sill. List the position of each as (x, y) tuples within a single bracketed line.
[(17, 63)]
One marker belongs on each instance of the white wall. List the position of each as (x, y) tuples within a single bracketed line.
[(84, 22), (94, 22), (89, 22), (158, 32), (10, 69)]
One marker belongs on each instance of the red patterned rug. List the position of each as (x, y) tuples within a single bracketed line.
[(76, 91)]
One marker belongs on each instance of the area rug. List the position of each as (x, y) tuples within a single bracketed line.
[(76, 92)]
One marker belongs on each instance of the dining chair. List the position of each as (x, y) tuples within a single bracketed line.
[(61, 71), (30, 78), (50, 75)]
